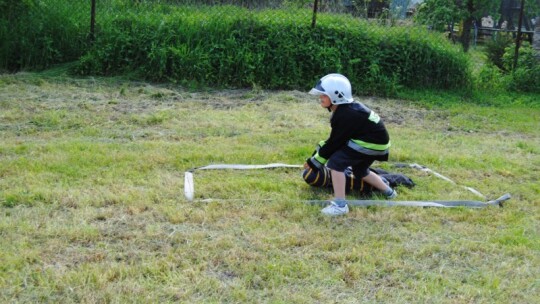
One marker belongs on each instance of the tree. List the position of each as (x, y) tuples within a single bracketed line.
[(466, 11), (439, 15)]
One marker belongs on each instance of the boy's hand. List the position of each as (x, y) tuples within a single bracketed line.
[(306, 166)]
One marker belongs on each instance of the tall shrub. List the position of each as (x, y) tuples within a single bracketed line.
[(272, 48), (37, 34), (495, 49), (526, 76)]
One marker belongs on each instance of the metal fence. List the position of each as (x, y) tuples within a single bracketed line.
[(37, 33), (384, 12), (388, 12), (91, 15)]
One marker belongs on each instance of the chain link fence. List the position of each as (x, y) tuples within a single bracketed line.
[(236, 43), (39, 33), (50, 25), (382, 12), (53, 24)]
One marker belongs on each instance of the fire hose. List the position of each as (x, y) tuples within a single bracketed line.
[(189, 188)]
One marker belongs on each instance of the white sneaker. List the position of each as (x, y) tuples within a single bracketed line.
[(333, 209), (393, 195)]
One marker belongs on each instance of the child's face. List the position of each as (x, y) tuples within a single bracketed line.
[(325, 101)]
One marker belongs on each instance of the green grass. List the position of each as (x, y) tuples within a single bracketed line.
[(92, 207)]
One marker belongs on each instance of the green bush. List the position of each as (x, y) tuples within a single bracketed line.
[(526, 77), (271, 49), (37, 34), (496, 78), (495, 49), (228, 46), (525, 80), (490, 78)]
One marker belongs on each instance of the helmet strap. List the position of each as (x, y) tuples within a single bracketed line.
[(329, 108)]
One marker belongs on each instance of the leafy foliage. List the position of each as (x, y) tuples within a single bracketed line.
[(495, 49), (271, 49), (230, 46), (490, 78), (37, 34), (526, 76), (438, 14), (499, 73)]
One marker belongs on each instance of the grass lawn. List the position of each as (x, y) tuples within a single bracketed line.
[(92, 208)]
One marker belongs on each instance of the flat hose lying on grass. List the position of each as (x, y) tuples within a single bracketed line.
[(189, 184), (445, 204), (428, 170), (189, 189)]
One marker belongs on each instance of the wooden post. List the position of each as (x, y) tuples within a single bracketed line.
[(315, 8), (518, 38), (92, 20), (536, 38)]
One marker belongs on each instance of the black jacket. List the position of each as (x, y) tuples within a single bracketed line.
[(354, 121)]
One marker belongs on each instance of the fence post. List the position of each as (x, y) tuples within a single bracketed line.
[(536, 38), (518, 39), (315, 8), (92, 20)]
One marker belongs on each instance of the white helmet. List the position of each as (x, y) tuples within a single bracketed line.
[(335, 86)]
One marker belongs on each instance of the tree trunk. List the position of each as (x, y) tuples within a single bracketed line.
[(467, 24), (465, 38)]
